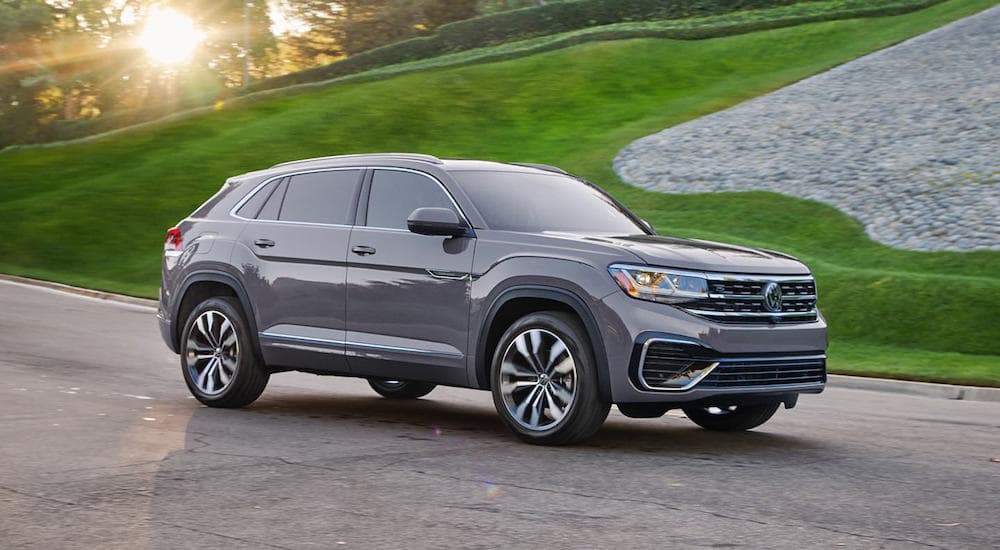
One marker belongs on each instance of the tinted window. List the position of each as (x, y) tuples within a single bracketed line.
[(251, 208), (395, 195), (273, 204), (531, 202), (320, 197)]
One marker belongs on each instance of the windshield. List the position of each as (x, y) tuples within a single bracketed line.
[(535, 203)]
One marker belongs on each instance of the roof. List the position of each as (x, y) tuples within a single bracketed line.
[(404, 160)]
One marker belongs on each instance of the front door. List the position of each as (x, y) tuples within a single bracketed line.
[(407, 294)]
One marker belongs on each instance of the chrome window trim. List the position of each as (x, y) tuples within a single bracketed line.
[(255, 190), (686, 387), (261, 185), (350, 344)]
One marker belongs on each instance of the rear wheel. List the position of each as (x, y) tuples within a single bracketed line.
[(400, 389), (217, 359), (544, 380), (732, 418)]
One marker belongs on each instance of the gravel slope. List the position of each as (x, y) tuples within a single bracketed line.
[(906, 140)]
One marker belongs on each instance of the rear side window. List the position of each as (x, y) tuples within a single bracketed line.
[(395, 195), (273, 204), (251, 208), (320, 197)]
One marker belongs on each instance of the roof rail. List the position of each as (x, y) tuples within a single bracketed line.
[(545, 167), (400, 156)]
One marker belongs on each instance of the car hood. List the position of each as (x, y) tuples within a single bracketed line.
[(698, 255)]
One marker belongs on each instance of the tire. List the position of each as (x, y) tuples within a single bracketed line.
[(544, 380), (400, 389), (735, 418), (218, 329)]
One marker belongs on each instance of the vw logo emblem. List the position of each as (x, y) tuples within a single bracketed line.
[(772, 297)]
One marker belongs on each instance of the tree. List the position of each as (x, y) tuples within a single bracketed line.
[(21, 23), (223, 48)]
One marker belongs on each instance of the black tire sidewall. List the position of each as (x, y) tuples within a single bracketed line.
[(745, 417), (405, 390)]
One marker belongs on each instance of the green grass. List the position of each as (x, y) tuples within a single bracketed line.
[(913, 364), (94, 214)]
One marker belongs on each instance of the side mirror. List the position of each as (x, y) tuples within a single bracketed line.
[(648, 226), (436, 221)]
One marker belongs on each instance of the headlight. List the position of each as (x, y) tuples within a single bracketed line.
[(659, 285)]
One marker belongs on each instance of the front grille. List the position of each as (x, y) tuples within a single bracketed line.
[(678, 366), (741, 300), (763, 371)]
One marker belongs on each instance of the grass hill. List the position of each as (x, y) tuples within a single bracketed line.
[(94, 213)]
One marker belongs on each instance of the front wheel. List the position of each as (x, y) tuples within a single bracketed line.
[(544, 380), (732, 418), (400, 389)]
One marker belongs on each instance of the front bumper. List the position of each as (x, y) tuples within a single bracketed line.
[(710, 362)]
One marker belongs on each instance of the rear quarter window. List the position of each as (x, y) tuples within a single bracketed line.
[(251, 208)]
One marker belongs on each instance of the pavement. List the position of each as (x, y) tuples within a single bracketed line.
[(104, 448)]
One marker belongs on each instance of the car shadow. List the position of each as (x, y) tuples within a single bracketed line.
[(429, 418)]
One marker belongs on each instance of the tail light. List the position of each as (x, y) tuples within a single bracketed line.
[(174, 241)]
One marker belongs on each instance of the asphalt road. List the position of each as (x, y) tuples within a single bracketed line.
[(103, 448)]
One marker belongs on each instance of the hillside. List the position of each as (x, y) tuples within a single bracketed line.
[(94, 214)]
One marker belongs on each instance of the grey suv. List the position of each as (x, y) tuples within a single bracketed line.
[(412, 271)]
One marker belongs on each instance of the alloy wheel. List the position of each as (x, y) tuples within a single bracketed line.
[(213, 352), (538, 379)]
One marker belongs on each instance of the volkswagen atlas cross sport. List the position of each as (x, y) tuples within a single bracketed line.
[(520, 279)]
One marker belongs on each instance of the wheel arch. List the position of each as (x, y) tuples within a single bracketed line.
[(201, 285), (515, 302)]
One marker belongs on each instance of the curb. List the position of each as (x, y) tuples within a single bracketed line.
[(96, 294), (907, 387)]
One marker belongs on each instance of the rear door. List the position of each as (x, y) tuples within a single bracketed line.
[(293, 259), (407, 294)]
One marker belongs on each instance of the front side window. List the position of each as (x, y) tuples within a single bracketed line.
[(320, 197), (395, 195), (535, 203)]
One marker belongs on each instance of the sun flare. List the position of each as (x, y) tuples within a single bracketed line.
[(169, 37)]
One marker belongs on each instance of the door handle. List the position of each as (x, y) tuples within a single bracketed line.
[(363, 250), (264, 243)]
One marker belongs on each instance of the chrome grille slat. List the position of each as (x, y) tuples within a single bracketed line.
[(739, 299)]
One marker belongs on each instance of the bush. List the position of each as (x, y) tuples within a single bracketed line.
[(518, 24)]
